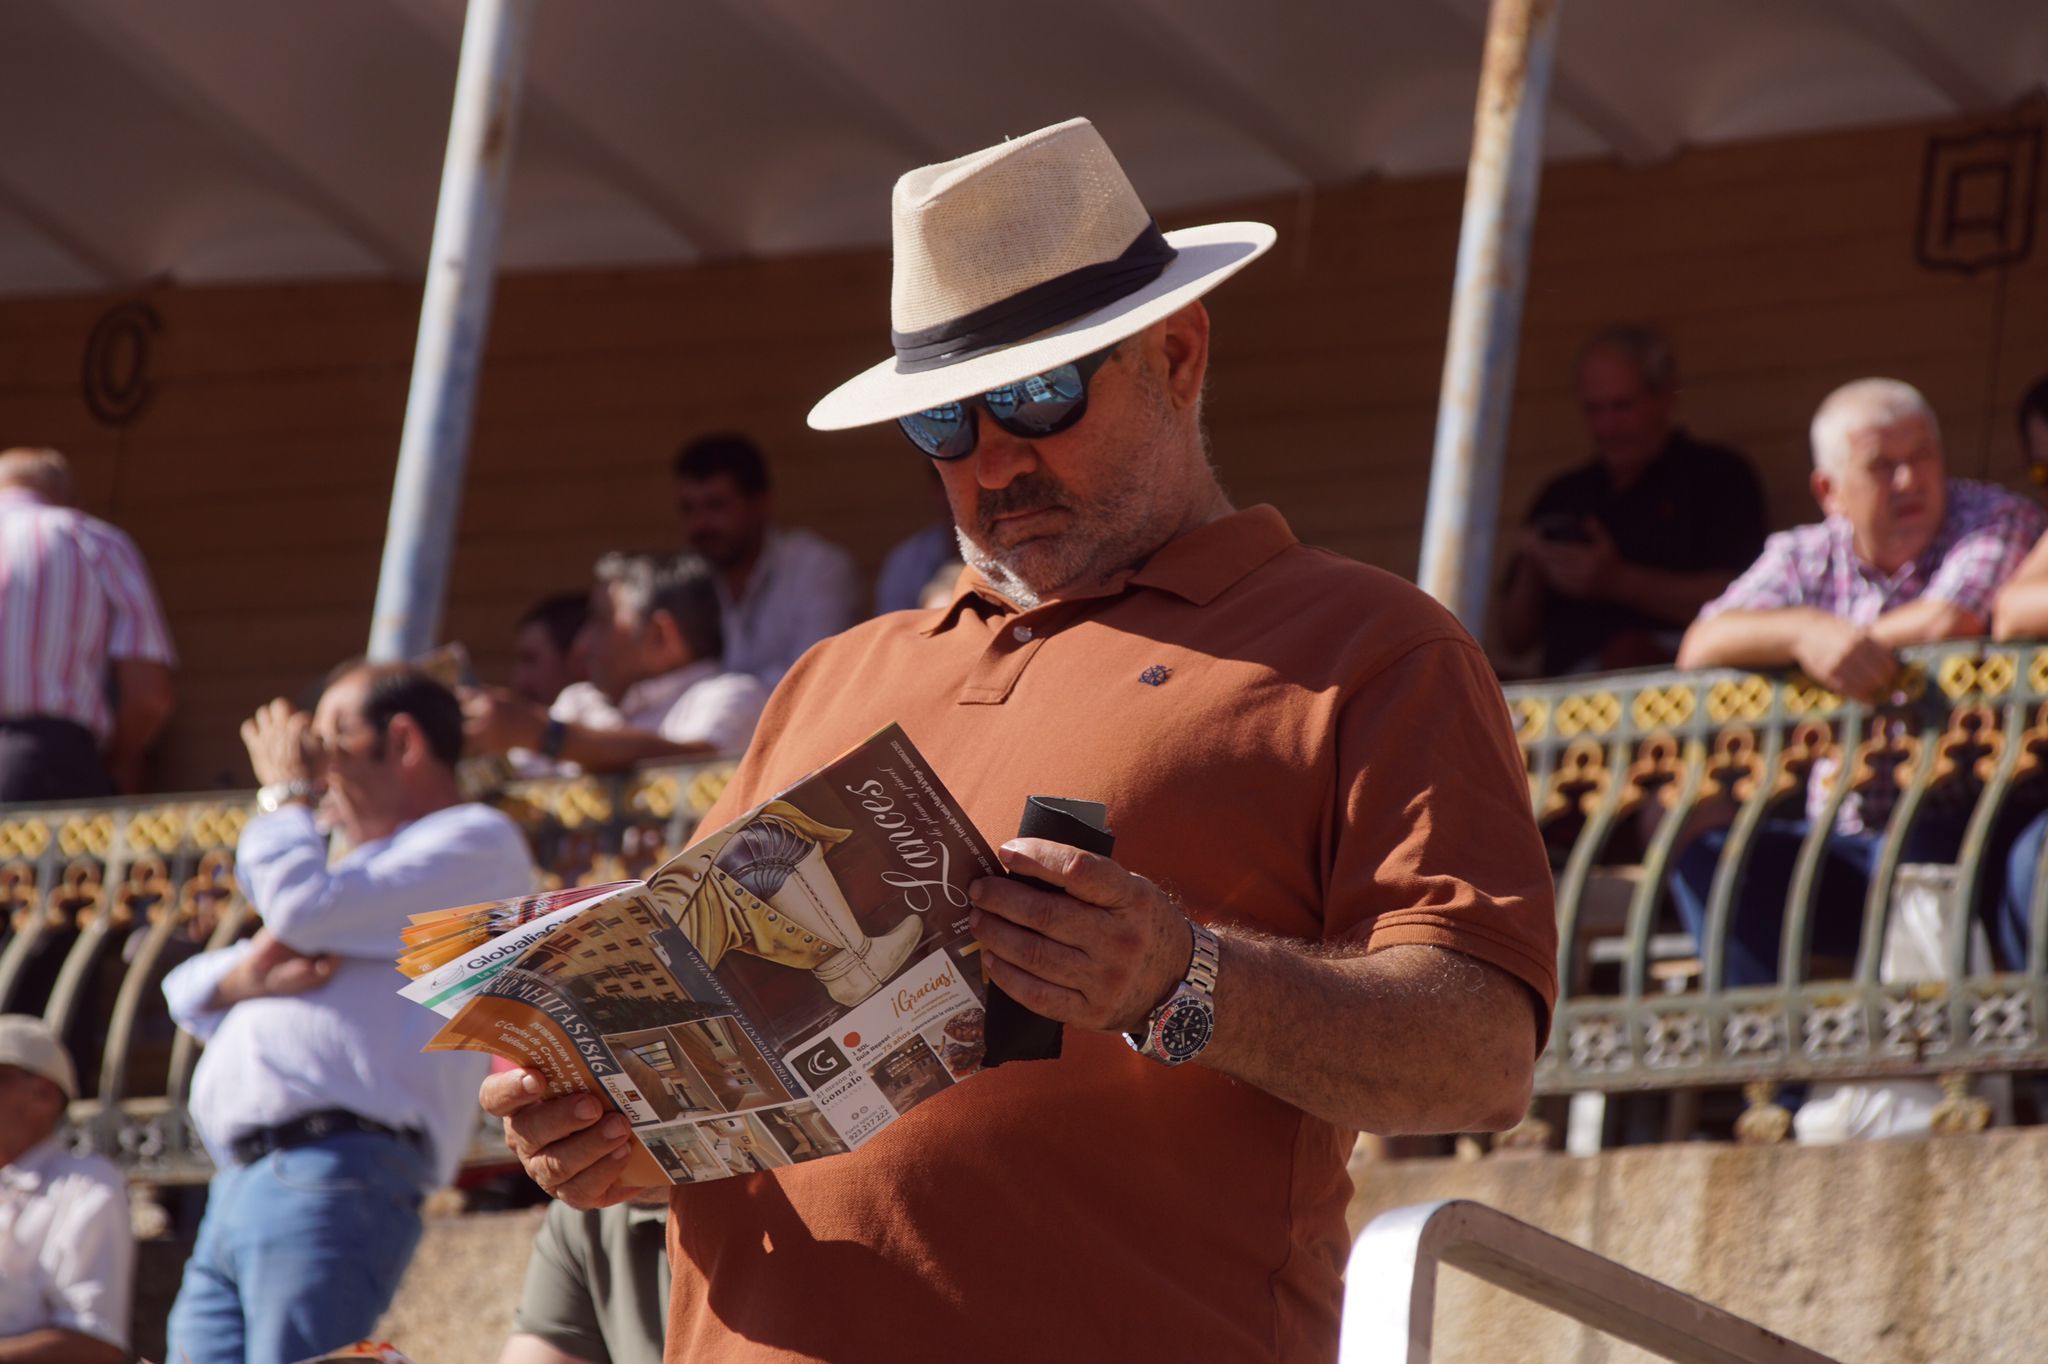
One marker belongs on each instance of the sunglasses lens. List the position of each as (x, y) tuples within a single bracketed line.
[(944, 432), (1040, 405)]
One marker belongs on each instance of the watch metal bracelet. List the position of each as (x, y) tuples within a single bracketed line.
[(1207, 959)]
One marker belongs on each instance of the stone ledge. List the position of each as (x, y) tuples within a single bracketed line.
[(1906, 1251)]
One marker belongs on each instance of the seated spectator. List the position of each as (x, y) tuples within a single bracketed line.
[(658, 685), (87, 684), (1616, 556), (920, 559), (67, 1256), (596, 1288), (779, 591), (545, 658), (2022, 613), (1906, 555)]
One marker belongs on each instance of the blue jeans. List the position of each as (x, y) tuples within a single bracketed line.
[(299, 1252), (2009, 923)]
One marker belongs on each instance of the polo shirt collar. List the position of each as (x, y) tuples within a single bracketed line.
[(1197, 567)]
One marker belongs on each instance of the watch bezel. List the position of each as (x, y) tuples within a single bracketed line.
[(1175, 1010)]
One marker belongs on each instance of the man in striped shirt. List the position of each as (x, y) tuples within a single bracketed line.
[(85, 656)]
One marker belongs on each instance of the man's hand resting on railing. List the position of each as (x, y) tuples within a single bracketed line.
[(1844, 657), (271, 968), (1854, 660)]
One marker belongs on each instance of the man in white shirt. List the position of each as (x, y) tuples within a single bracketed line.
[(658, 687), (325, 1121), (67, 1256), (780, 591)]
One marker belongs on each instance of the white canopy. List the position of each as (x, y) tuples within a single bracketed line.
[(214, 140)]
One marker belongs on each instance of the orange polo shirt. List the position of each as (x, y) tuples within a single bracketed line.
[(1287, 740)]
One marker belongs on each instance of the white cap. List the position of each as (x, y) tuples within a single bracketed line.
[(26, 1041)]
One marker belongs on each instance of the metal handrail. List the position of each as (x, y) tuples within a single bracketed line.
[(1390, 1291), (96, 902), (1663, 753)]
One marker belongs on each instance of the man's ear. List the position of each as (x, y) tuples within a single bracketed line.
[(405, 742), (1823, 490), (1184, 346)]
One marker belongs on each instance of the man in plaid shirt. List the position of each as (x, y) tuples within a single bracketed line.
[(1906, 555)]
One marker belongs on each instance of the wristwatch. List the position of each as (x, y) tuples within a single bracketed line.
[(274, 797), (1177, 1030)]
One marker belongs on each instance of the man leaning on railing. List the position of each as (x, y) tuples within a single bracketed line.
[(1905, 555)]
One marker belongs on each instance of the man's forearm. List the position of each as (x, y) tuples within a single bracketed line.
[(1410, 1039), (2022, 610), (1926, 621), (1748, 639), (611, 750), (1667, 594), (54, 1345)]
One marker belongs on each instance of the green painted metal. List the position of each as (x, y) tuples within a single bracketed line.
[(1954, 704)]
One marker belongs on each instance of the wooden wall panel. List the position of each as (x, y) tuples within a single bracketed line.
[(257, 479)]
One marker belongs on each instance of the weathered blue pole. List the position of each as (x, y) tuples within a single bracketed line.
[(1486, 306), (426, 493)]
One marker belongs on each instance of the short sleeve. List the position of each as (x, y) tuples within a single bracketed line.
[(721, 711), (1981, 560), (555, 1303), (136, 627), (1769, 584), (1434, 840)]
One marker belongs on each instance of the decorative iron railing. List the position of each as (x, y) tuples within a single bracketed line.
[(96, 904), (1627, 769)]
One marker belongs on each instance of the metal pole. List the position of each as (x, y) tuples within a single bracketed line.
[(1486, 306), (454, 315)]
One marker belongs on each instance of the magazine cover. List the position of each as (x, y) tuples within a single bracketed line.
[(780, 991)]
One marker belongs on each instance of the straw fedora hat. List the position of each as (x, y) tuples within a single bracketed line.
[(1014, 260)]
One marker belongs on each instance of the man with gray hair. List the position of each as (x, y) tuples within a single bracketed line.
[(1905, 555), (658, 685), (1617, 555), (85, 656)]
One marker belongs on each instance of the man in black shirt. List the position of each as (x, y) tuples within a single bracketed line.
[(1617, 556)]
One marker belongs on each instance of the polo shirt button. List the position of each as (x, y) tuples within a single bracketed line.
[(1022, 634)]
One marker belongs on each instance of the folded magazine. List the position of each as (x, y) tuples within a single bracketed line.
[(780, 991)]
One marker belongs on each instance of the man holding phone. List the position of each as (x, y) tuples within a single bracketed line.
[(1618, 555)]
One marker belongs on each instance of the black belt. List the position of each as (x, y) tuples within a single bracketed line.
[(308, 1128)]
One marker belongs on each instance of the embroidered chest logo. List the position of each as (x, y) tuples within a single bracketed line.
[(1155, 675)]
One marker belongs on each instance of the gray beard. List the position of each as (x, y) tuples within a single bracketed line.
[(998, 574)]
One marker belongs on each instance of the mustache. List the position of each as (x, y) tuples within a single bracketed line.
[(1027, 492)]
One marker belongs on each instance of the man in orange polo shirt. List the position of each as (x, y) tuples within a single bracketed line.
[(1329, 909)]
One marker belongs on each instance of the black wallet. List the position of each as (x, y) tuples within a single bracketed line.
[(1015, 1033)]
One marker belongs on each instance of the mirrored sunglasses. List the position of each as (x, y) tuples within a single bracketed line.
[(1030, 409)]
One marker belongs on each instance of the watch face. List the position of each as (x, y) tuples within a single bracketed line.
[(1185, 1029)]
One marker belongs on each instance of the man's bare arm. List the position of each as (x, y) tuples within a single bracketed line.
[(1409, 1039), (525, 1349), (613, 750), (54, 1345), (1927, 621), (1750, 639), (145, 698)]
